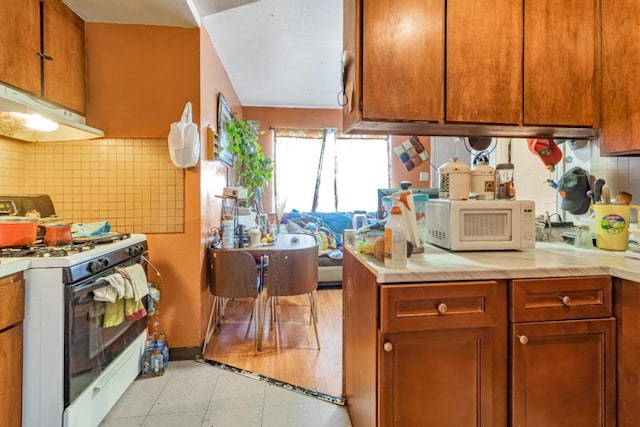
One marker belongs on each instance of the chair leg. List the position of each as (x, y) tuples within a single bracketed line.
[(263, 317), (256, 325), (314, 316), (207, 335)]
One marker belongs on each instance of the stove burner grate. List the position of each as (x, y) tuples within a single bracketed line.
[(42, 251)]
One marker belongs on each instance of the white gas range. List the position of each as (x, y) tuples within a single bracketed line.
[(74, 368)]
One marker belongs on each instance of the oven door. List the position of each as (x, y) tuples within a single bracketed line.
[(89, 346)]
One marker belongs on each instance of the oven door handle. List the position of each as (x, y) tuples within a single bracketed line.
[(113, 370)]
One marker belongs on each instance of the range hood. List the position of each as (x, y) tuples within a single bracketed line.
[(71, 126)]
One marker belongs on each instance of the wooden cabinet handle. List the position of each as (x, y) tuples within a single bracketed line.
[(442, 308), (44, 56), (566, 300), (523, 339), (387, 347)]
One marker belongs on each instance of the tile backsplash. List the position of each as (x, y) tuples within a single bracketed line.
[(129, 182), (620, 173)]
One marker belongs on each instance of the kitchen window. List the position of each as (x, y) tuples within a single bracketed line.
[(327, 171)]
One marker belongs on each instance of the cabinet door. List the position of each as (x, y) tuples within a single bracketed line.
[(627, 313), (403, 60), (359, 355), (442, 378), (20, 41), (484, 61), (11, 378), (620, 131), (563, 373), (64, 75), (561, 49)]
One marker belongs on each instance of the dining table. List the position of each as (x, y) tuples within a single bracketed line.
[(284, 242)]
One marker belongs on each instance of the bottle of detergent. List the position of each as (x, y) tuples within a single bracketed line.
[(395, 238)]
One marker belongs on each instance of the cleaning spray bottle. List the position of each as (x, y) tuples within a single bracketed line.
[(395, 237)]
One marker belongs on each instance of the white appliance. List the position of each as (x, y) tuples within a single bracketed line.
[(74, 369), (475, 225), (71, 126)]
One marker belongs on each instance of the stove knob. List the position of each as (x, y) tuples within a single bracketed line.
[(98, 265), (94, 266), (134, 250)]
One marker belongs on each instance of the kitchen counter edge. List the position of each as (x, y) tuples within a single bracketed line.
[(13, 265), (546, 260)]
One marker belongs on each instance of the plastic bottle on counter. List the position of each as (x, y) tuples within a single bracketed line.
[(395, 238)]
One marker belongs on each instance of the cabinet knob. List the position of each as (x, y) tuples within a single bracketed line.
[(387, 346), (566, 301), (523, 339), (442, 308)]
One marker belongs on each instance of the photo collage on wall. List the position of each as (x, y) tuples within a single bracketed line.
[(411, 153)]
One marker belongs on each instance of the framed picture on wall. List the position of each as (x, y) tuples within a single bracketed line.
[(224, 114)]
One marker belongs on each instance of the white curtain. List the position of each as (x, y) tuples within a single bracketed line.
[(352, 169)]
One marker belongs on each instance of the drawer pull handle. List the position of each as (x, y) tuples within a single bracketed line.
[(566, 301), (387, 347), (442, 308), (523, 339)]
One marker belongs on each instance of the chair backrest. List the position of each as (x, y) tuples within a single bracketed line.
[(234, 274), (292, 272)]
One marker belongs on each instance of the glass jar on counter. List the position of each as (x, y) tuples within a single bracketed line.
[(505, 188)]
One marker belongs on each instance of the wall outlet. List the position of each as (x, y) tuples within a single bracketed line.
[(424, 176)]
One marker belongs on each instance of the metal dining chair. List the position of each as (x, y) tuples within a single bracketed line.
[(234, 274), (292, 273)]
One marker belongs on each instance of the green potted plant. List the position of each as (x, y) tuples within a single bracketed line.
[(253, 169)]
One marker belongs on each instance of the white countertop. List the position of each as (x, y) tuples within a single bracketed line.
[(10, 266), (546, 260)]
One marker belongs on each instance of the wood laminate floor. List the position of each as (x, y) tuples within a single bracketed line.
[(289, 352)]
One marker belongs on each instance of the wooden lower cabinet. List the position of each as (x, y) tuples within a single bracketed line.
[(563, 373), (563, 352), (424, 354), (627, 312), (441, 378), (522, 353), (11, 317)]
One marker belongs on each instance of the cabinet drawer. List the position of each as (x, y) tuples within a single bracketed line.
[(535, 300), (428, 306), (11, 300)]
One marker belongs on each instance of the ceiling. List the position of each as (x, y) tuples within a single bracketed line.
[(277, 53)]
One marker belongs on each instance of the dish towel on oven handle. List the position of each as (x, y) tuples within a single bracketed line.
[(112, 294), (136, 279), (114, 288)]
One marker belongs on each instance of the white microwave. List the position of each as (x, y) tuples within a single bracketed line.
[(475, 225)]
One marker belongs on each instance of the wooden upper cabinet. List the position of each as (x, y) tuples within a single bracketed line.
[(403, 60), (561, 63), (20, 41), (484, 61), (64, 75), (620, 133)]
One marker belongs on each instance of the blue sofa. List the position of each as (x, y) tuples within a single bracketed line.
[(327, 227)]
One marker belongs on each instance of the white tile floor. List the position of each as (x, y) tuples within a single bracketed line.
[(197, 394)]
